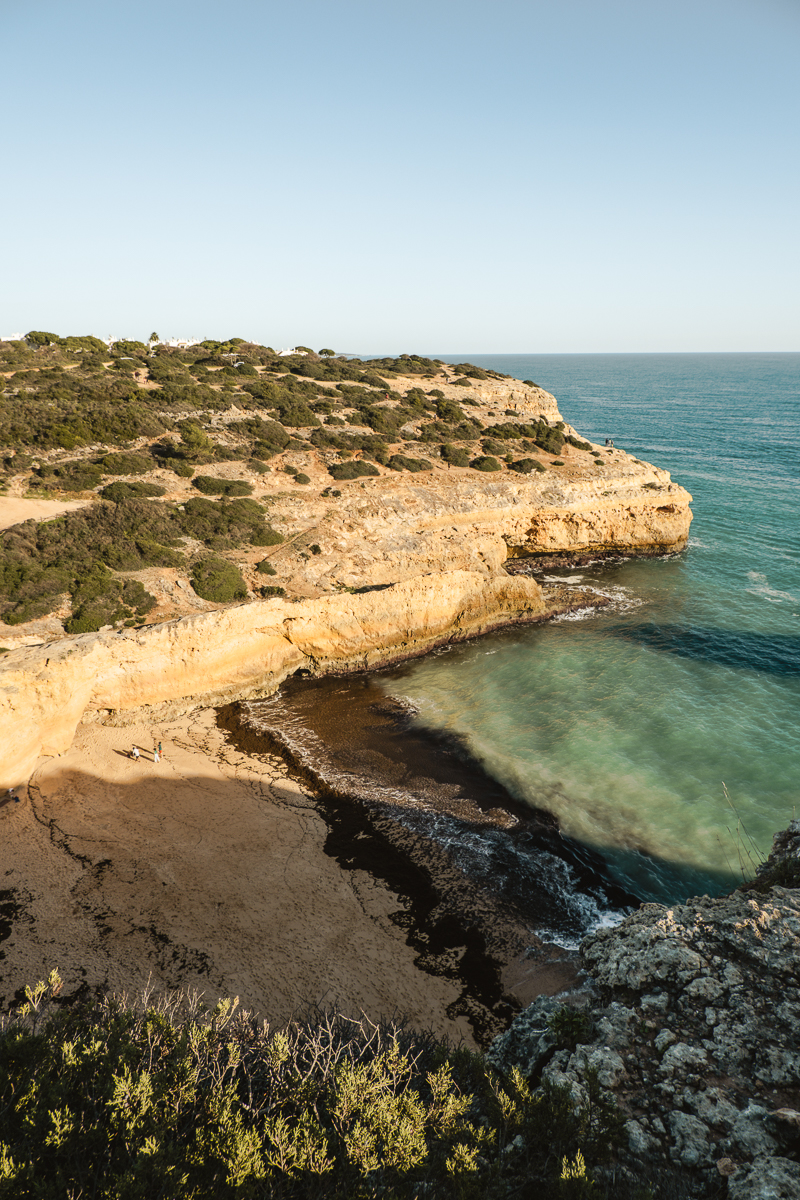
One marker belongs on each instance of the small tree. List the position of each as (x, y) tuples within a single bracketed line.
[(153, 338), (327, 353), (37, 337)]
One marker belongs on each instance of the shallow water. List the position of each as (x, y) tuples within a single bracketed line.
[(630, 724)]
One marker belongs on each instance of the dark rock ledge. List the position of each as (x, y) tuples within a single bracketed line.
[(692, 1021)]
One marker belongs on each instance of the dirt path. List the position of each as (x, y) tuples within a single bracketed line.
[(14, 509)]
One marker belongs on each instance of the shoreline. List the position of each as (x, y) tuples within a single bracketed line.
[(247, 651), (126, 855), (401, 802)]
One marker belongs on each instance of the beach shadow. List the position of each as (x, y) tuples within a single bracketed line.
[(772, 654)]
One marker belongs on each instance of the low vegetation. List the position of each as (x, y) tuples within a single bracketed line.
[(168, 1098), (217, 579), (80, 419)]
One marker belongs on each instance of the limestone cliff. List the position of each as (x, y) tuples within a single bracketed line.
[(435, 542), (243, 651)]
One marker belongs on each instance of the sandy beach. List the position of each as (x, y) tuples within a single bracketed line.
[(207, 870)]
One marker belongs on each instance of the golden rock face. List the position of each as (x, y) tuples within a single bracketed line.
[(434, 543)]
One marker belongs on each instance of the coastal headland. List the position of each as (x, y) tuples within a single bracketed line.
[(396, 558), (209, 869)]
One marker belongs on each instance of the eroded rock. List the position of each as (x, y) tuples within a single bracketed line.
[(696, 1032)]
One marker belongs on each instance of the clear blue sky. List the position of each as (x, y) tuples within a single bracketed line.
[(422, 176)]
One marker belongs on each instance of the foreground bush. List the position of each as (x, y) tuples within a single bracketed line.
[(135, 490), (169, 1099), (524, 466), (400, 462)]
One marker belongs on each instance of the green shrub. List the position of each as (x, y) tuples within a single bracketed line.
[(525, 465), (131, 491), (172, 1099), (135, 596), (259, 467), (225, 523), (485, 463), (39, 562), (470, 370), (210, 485), (271, 589), (268, 435), (461, 383), (267, 536), (352, 470), (301, 478), (76, 476), (265, 567), (557, 462), (184, 469), (571, 1026), (99, 599), (218, 580), (399, 462), (448, 410), (577, 443), (195, 442), (125, 464)]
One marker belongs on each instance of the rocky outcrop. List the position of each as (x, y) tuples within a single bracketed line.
[(244, 651), (471, 522), (694, 1025)]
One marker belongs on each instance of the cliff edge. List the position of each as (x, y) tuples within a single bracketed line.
[(692, 1021)]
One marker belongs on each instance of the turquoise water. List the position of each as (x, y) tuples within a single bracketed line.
[(630, 724)]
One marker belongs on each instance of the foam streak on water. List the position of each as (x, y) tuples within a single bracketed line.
[(626, 722)]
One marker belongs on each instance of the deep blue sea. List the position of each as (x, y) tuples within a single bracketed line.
[(663, 731)]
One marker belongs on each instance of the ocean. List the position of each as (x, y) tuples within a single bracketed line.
[(662, 731)]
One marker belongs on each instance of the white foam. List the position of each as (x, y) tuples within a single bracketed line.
[(563, 578), (580, 614), (764, 591)]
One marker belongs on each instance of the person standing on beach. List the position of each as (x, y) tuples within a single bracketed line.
[(160, 751), (135, 753), (155, 754)]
